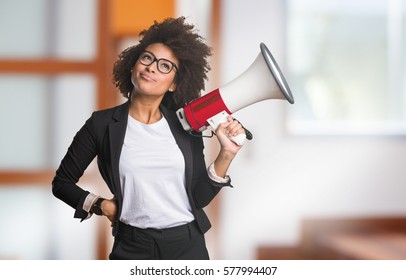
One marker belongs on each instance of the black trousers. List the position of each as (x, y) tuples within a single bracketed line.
[(184, 242)]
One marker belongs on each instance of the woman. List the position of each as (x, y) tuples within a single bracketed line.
[(154, 169)]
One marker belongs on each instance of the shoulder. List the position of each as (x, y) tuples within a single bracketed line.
[(116, 113), (100, 120), (182, 136)]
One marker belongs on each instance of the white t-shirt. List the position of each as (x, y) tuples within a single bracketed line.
[(152, 176)]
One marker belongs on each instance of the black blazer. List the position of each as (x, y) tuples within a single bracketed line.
[(102, 136)]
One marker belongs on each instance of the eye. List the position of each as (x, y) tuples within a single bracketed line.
[(166, 65), (146, 56)]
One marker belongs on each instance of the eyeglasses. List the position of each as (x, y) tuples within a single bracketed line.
[(164, 66)]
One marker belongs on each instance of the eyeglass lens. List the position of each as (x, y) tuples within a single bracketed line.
[(165, 66)]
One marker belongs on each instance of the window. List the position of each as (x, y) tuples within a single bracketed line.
[(49, 80), (346, 65)]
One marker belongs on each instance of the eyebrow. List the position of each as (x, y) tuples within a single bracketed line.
[(156, 56)]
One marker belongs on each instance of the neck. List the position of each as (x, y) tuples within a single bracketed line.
[(145, 112)]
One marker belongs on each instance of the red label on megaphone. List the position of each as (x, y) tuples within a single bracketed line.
[(200, 110)]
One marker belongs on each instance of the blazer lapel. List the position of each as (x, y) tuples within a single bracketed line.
[(117, 131), (182, 141)]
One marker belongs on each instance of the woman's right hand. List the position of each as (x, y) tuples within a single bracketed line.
[(109, 207)]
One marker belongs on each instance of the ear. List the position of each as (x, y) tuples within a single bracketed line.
[(172, 87)]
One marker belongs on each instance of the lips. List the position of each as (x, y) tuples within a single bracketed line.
[(147, 77)]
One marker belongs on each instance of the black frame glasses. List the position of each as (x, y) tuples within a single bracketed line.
[(164, 66)]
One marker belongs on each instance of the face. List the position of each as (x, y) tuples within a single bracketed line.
[(148, 80)]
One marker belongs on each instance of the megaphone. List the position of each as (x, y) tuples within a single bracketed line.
[(261, 81)]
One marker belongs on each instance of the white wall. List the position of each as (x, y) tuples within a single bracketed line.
[(280, 179)]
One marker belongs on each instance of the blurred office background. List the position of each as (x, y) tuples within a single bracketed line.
[(323, 178)]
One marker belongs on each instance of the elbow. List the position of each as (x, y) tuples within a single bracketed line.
[(56, 186)]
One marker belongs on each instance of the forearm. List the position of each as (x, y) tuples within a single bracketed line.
[(223, 162), (228, 148)]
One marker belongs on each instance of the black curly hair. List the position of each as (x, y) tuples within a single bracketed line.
[(188, 47)]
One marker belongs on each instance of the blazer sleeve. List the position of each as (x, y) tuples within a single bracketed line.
[(80, 154)]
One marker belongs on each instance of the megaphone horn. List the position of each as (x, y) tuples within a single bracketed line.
[(261, 81)]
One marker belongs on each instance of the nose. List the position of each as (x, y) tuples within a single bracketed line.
[(153, 66)]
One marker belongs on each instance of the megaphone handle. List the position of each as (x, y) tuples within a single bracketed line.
[(221, 117), (239, 139), (248, 134)]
